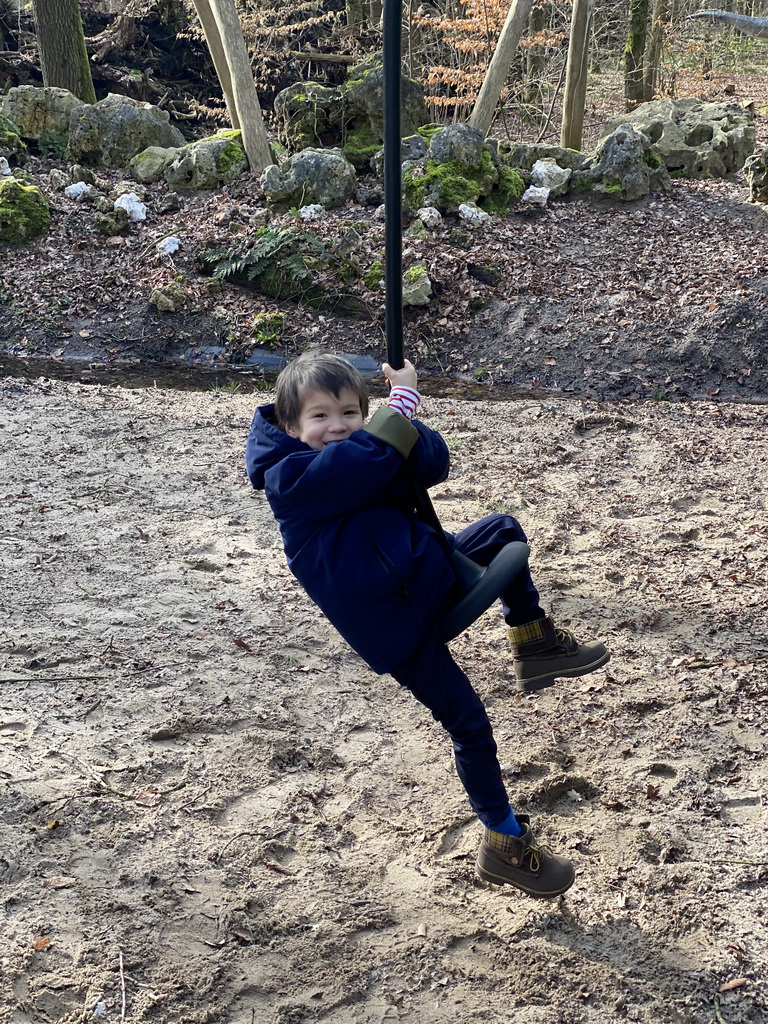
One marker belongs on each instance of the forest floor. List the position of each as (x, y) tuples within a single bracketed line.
[(213, 812)]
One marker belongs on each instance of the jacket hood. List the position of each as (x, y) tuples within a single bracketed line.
[(267, 445)]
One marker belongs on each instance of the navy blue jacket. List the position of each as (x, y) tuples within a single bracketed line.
[(350, 534)]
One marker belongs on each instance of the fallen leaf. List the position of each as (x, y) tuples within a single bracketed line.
[(733, 983), (41, 942), (58, 882), (149, 798)]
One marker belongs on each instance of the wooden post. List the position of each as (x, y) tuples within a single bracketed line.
[(574, 98)]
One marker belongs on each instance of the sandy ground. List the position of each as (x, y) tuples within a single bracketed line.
[(212, 811)]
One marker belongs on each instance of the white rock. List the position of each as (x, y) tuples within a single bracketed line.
[(380, 213), (430, 217), (536, 195), (5, 167), (472, 214), (547, 174), (313, 212), (132, 205), (168, 245), (80, 190)]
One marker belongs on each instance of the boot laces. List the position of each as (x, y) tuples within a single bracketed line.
[(535, 854), (565, 637)]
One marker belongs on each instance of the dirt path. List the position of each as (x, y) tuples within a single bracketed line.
[(213, 812)]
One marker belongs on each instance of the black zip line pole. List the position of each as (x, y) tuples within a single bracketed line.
[(393, 203), (479, 586), (393, 225)]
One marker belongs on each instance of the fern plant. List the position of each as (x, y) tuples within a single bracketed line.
[(285, 262)]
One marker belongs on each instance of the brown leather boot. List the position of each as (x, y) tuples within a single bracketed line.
[(518, 861), (541, 652)]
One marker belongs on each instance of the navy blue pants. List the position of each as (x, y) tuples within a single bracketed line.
[(437, 682)]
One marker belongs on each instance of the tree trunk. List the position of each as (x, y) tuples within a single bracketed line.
[(534, 55), (229, 52), (652, 57), (498, 69), (574, 97), (634, 52), (355, 14), (61, 43)]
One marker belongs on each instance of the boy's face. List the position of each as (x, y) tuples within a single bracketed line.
[(326, 419)]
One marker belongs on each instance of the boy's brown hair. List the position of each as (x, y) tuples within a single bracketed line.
[(315, 371)]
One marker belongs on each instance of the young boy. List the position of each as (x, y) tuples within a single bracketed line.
[(339, 492)]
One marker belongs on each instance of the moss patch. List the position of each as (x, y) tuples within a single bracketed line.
[(448, 185)]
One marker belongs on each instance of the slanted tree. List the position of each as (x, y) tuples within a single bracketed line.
[(224, 35), (61, 44), (496, 75)]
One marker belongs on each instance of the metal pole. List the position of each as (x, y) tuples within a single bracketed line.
[(393, 203)]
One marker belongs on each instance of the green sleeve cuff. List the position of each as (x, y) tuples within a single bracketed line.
[(393, 428)]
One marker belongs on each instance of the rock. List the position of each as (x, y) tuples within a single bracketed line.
[(349, 242), (79, 173), (461, 239), (81, 192), (150, 164), (472, 215), (323, 176), (168, 246), (351, 117), (547, 174), (266, 327), (58, 179), (417, 230), (113, 131), (460, 168), (363, 110), (417, 286), (458, 142), (523, 156), (113, 223), (134, 208), (168, 203), (312, 212), (624, 167), (5, 167), (124, 187), (430, 217), (12, 146), (692, 138), (208, 163), (39, 112), (412, 150), (756, 174), (168, 299), (24, 212), (307, 114), (536, 196)]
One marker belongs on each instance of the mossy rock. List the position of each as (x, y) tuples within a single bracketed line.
[(24, 212), (448, 185), (267, 327), (308, 114)]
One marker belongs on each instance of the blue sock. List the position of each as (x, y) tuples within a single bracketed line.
[(509, 827)]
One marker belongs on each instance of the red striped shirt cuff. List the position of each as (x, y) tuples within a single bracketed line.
[(404, 400)]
